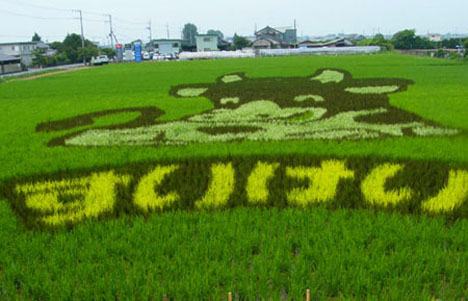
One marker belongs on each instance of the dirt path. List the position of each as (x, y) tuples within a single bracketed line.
[(50, 73)]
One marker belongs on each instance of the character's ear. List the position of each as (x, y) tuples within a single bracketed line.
[(231, 78), (326, 76), (378, 86)]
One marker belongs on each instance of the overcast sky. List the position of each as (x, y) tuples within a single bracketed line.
[(53, 19)]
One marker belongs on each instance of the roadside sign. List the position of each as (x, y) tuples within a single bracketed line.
[(119, 52), (138, 57)]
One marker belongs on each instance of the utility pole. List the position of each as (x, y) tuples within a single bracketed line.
[(150, 31), (82, 35), (111, 32), (167, 29)]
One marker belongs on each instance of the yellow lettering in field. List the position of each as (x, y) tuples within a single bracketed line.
[(373, 186), (71, 201), (257, 183), (451, 196), (323, 182), (145, 196), (220, 188)]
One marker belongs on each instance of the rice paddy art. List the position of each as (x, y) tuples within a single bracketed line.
[(328, 105)]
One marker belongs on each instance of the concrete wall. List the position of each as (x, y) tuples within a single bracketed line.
[(207, 43), (10, 68)]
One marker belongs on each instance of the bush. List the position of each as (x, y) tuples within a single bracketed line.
[(441, 54)]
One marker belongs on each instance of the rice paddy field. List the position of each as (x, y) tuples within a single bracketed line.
[(345, 175)]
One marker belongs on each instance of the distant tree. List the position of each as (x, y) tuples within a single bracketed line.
[(57, 46), (216, 32), (239, 42), (465, 45), (72, 48), (404, 39), (88, 51), (39, 58), (108, 51), (377, 40), (407, 39), (36, 38), (189, 32), (71, 43)]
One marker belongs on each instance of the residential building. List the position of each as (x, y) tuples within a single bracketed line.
[(435, 37), (270, 38), (25, 50), (167, 46), (9, 64), (207, 42)]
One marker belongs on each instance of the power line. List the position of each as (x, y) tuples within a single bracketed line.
[(130, 22), (34, 17), (36, 6), (94, 20), (22, 4)]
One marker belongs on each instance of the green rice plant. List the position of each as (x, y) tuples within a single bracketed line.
[(348, 248)]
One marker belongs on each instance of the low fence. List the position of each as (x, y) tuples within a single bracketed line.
[(429, 52), (320, 51), (278, 52), (216, 55)]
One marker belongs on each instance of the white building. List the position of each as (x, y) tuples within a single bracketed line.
[(167, 46), (24, 50), (435, 37), (207, 42)]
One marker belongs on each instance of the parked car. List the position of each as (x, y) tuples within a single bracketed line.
[(158, 57), (145, 56), (171, 56), (99, 60)]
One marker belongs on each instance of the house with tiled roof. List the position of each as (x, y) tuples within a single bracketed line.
[(271, 38)]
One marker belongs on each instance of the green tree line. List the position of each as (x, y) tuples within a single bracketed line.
[(69, 51), (407, 40)]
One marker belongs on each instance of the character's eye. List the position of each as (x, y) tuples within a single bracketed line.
[(191, 92), (372, 90), (302, 98), (329, 76), (231, 78)]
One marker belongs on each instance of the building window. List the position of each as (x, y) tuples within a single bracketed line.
[(207, 49), (156, 45), (13, 48), (206, 39), (175, 45)]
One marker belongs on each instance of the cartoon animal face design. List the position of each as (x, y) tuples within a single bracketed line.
[(328, 105)]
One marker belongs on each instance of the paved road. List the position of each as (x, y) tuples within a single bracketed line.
[(36, 70)]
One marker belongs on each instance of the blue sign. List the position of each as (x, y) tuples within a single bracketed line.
[(138, 57)]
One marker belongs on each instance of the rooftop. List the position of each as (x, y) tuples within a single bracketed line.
[(19, 43), (7, 58)]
